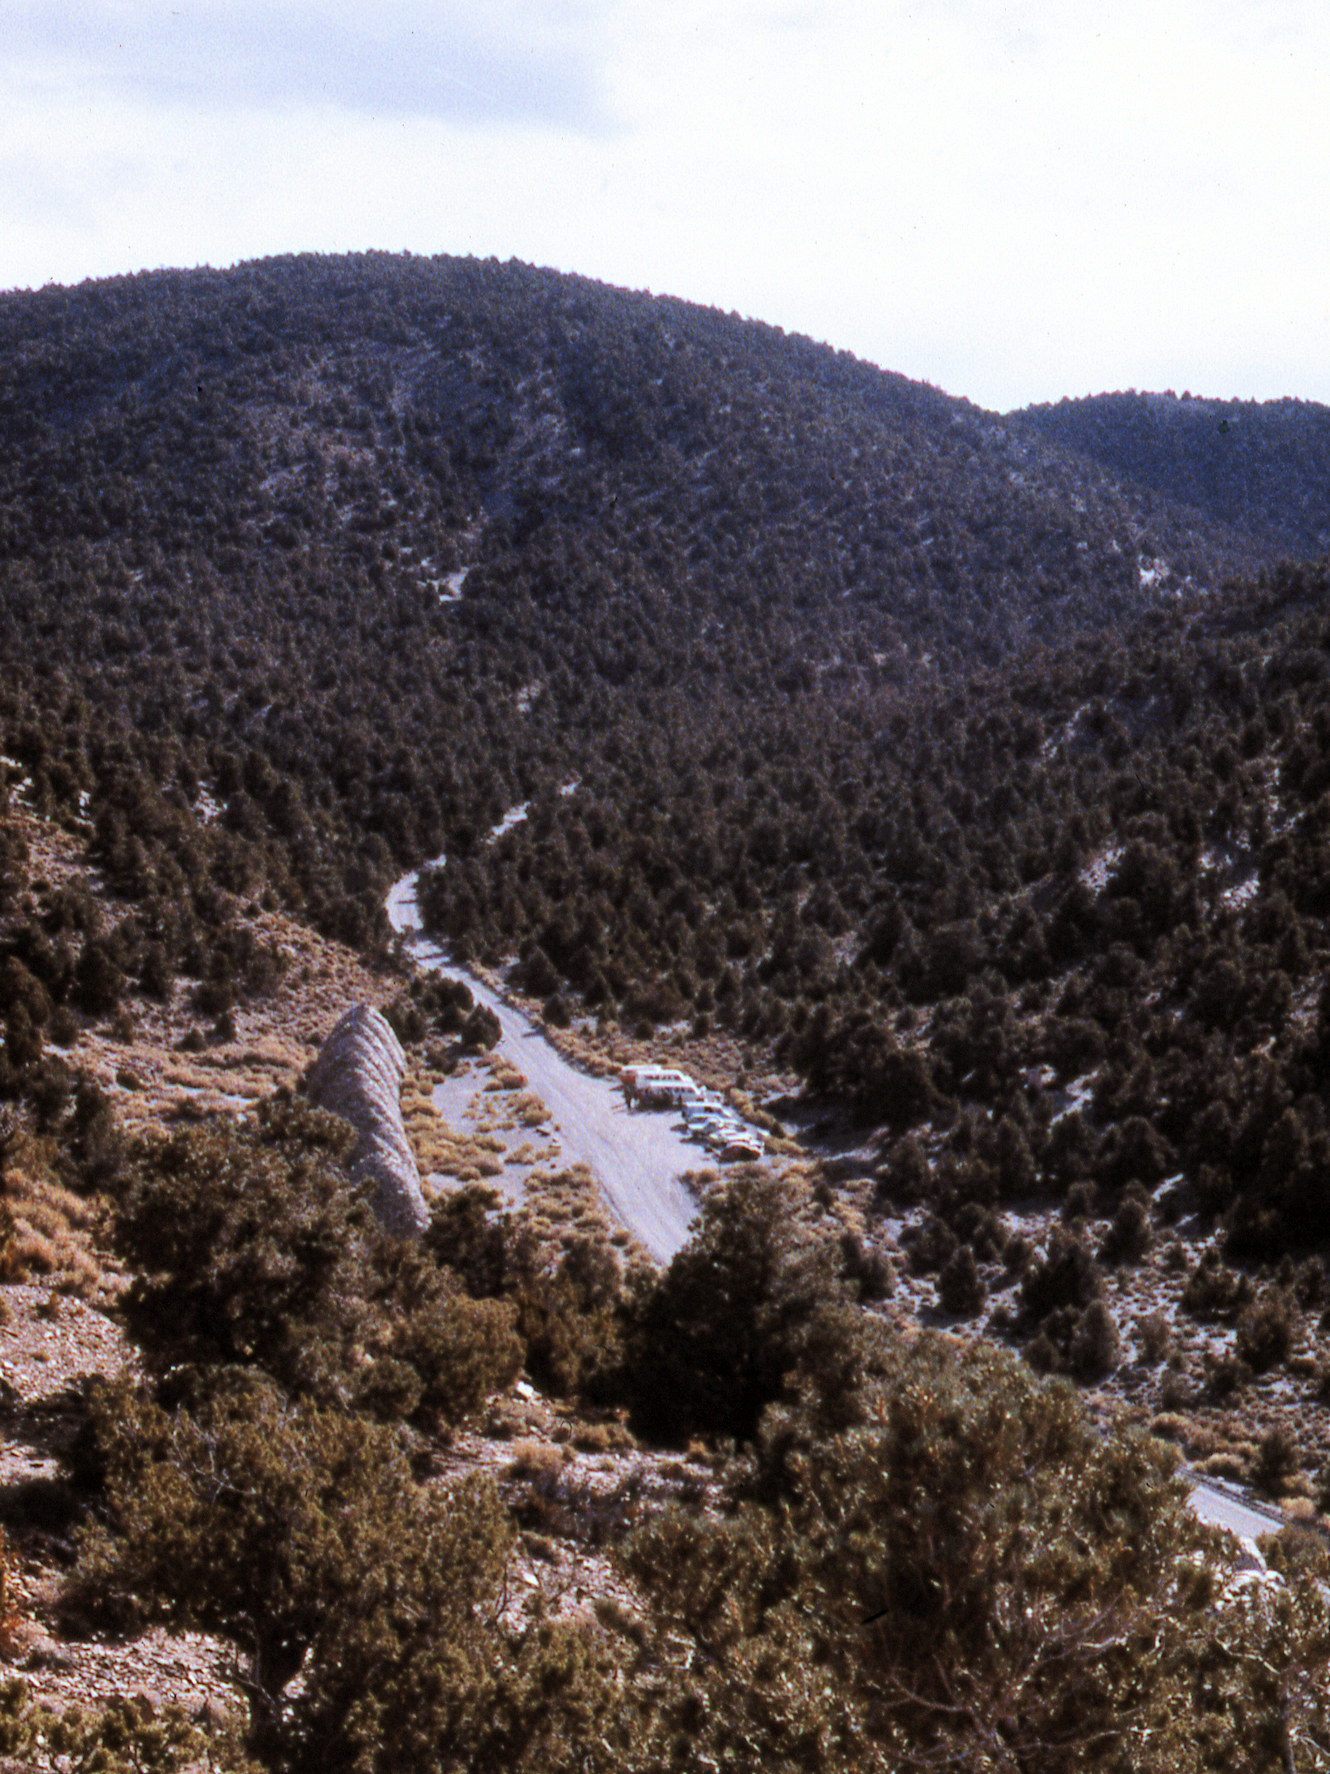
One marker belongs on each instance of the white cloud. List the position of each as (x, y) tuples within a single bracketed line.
[(505, 59)]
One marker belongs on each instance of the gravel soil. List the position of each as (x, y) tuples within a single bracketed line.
[(50, 1344)]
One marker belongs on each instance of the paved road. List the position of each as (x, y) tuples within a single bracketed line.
[(637, 1157), (1226, 1510)]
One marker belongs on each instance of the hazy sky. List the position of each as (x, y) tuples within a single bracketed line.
[(1013, 201)]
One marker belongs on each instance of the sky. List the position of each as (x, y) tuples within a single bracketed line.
[(1015, 202)]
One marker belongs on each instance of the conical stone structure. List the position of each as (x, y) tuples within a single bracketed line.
[(358, 1075)]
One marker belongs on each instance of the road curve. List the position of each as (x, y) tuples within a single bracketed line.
[(637, 1158)]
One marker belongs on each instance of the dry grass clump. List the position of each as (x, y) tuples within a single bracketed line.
[(1226, 1465), (527, 1153), (529, 1110), (466, 1157), (565, 1203), (536, 1459), (52, 1228), (701, 1183), (779, 1147), (417, 1095), (1172, 1426), (602, 1437), (441, 1149)]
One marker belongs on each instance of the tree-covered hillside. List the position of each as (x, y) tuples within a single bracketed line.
[(844, 715), (1262, 467), (234, 508)]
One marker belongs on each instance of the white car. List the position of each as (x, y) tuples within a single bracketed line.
[(713, 1117), (698, 1114)]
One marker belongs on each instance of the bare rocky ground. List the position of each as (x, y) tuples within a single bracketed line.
[(50, 1343)]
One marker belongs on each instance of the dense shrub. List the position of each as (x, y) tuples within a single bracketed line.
[(931, 1244), (569, 1309), (960, 1288), (1095, 1344), (749, 1299), (1265, 1331), (1274, 1462), (302, 1536), (969, 1535), (1131, 1231), (250, 1246), (1065, 1276), (126, 1735), (905, 1177), (1213, 1291)]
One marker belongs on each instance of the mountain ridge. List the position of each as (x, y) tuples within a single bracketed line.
[(1263, 463)]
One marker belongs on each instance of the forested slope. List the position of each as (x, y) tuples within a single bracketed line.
[(1261, 466), (233, 507), (846, 715)]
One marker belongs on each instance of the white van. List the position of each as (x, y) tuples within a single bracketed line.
[(658, 1085)]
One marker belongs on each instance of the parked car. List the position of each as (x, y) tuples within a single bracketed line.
[(699, 1114), (717, 1138)]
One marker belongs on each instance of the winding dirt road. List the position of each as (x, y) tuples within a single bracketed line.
[(637, 1157)]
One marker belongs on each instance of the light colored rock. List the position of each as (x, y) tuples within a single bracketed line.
[(358, 1075)]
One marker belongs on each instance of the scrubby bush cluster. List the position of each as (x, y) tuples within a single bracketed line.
[(249, 1248), (262, 1485), (127, 1736), (923, 1554), (966, 1575), (302, 1535)]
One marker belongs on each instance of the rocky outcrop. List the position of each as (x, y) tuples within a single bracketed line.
[(358, 1075)]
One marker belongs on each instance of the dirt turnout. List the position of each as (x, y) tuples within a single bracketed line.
[(637, 1158)]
